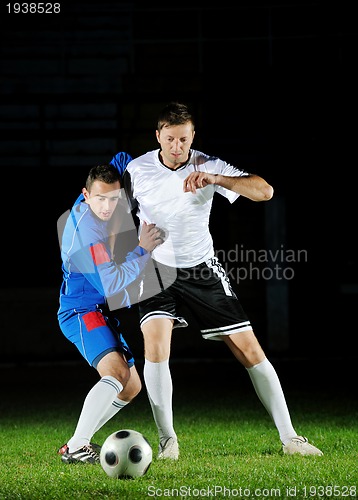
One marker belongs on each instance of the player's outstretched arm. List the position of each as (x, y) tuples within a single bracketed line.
[(251, 186)]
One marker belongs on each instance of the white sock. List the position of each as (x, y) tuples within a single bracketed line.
[(116, 405), (159, 387), (95, 407), (268, 388)]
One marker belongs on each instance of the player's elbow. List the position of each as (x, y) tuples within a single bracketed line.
[(262, 190), (264, 193), (267, 193)]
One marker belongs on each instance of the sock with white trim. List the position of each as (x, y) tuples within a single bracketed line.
[(115, 407), (159, 386), (95, 407), (268, 388)]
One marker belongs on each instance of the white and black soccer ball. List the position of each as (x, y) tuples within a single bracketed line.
[(126, 454)]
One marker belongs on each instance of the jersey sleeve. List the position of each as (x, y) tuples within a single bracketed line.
[(104, 274), (120, 161), (90, 255), (223, 168)]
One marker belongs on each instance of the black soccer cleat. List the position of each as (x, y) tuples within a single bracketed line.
[(64, 448), (87, 454)]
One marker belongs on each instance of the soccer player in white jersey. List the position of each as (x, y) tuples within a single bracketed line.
[(173, 187)]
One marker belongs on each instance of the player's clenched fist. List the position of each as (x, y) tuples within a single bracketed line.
[(197, 180), (150, 237)]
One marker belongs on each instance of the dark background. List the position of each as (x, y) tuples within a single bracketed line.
[(273, 87)]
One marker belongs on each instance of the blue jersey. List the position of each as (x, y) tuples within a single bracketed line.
[(90, 275)]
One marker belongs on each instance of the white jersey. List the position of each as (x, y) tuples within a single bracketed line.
[(157, 192)]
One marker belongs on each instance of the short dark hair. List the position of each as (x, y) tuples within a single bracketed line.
[(106, 173), (174, 113)]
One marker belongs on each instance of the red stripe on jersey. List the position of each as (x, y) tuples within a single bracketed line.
[(99, 254), (93, 320)]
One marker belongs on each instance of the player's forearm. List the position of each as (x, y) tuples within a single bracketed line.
[(251, 186), (112, 278)]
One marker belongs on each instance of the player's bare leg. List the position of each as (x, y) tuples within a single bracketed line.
[(245, 347)]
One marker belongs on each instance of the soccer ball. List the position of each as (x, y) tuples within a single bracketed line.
[(126, 454)]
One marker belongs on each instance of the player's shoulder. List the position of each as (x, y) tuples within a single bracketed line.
[(78, 226), (86, 222), (145, 160), (203, 161), (80, 210)]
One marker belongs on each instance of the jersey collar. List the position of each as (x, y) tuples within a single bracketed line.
[(175, 169)]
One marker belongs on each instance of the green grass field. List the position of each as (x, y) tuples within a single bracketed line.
[(229, 447)]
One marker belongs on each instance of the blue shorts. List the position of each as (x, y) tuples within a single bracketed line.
[(95, 333)]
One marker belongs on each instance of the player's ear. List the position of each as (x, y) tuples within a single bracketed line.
[(157, 135), (85, 193)]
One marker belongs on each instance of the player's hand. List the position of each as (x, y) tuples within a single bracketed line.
[(197, 180), (150, 237)]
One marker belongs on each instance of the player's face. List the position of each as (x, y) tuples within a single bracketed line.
[(103, 198), (175, 144)]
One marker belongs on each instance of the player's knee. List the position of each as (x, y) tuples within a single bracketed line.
[(132, 388), (123, 375)]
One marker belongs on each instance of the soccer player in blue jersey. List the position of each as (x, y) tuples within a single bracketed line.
[(174, 186), (91, 278)]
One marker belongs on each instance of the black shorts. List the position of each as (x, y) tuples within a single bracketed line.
[(205, 290)]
